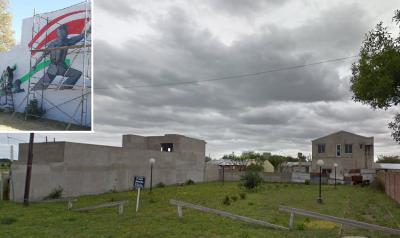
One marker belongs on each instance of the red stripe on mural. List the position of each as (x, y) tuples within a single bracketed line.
[(52, 22), (74, 27)]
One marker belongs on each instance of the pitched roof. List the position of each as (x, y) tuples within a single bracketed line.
[(342, 132)]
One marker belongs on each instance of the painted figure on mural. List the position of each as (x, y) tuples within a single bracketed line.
[(57, 61)]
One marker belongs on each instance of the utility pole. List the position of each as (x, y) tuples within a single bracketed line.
[(28, 170)]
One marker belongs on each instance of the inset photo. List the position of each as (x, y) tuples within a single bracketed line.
[(46, 67)]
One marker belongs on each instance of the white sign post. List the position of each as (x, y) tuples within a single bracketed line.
[(139, 184), (137, 200)]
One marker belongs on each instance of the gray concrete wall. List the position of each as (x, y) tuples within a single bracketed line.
[(356, 160), (82, 169)]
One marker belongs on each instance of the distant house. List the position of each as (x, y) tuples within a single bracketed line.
[(348, 150), (267, 166), (296, 167), (387, 167)]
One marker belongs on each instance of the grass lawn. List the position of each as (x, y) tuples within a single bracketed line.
[(18, 123), (156, 218)]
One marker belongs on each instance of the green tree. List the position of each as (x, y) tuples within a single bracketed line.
[(6, 32), (376, 76)]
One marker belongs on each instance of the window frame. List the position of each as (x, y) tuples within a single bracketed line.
[(338, 146), (348, 148), (321, 148)]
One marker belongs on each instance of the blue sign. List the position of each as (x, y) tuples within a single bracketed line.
[(139, 182)]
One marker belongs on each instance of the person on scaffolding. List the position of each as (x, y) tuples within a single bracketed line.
[(10, 75), (57, 61)]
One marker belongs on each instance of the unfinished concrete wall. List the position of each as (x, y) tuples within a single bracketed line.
[(81, 169)]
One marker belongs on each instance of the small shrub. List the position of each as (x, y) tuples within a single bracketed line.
[(307, 182), (378, 185), (7, 220), (242, 195), (255, 168), (250, 204), (152, 200), (226, 201), (251, 180), (189, 182), (55, 194), (301, 227), (307, 219), (234, 198), (160, 185)]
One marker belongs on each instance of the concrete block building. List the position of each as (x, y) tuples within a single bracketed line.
[(350, 151), (81, 169)]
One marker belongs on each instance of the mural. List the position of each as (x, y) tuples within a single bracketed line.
[(52, 65)]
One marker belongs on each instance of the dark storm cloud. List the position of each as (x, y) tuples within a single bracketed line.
[(280, 111)]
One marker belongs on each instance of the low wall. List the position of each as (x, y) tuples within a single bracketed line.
[(267, 177), (392, 183)]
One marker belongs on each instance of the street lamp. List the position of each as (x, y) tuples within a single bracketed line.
[(320, 163), (335, 165), (152, 161)]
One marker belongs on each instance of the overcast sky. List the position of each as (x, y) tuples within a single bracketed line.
[(141, 43)]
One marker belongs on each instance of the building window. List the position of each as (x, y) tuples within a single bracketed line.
[(348, 148), (321, 148), (167, 147), (338, 150)]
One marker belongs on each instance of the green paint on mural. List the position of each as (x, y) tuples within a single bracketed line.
[(39, 67)]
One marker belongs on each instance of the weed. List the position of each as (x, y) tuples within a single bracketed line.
[(226, 201), (242, 195), (7, 220)]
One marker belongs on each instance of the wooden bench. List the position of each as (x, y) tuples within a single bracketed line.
[(343, 221), (120, 205), (181, 205)]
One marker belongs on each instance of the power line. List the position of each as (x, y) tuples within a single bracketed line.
[(234, 76)]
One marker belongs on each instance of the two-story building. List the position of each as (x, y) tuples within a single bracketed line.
[(348, 150)]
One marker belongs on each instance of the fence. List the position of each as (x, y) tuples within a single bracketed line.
[(267, 177), (180, 205), (391, 180), (343, 221)]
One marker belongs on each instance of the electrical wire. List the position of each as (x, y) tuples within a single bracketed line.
[(232, 76)]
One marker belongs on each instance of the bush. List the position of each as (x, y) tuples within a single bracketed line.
[(55, 194), (160, 185), (255, 168), (378, 185), (33, 110), (234, 198), (301, 227), (7, 220), (307, 182), (189, 182), (226, 201), (251, 180), (242, 195)]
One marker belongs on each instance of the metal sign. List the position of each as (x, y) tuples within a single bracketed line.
[(139, 182)]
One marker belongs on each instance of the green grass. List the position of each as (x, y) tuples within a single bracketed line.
[(156, 218)]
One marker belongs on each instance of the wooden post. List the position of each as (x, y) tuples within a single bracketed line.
[(28, 170), (180, 213), (120, 209), (291, 219)]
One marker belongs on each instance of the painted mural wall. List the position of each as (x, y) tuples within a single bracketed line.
[(52, 64)]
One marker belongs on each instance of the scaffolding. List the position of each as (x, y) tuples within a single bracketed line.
[(37, 88)]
